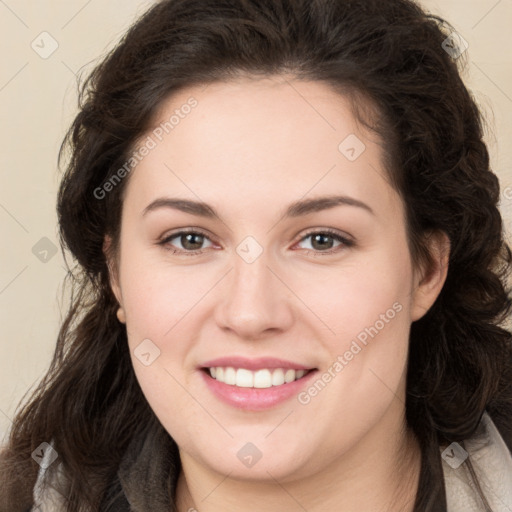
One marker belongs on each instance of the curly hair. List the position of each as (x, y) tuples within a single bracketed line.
[(391, 54)]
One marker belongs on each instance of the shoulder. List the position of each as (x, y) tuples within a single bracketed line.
[(478, 471)]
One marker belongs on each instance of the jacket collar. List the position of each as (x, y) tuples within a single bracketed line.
[(149, 471), (487, 456)]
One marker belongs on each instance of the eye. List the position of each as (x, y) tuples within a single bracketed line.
[(325, 241), (191, 242), (194, 242)]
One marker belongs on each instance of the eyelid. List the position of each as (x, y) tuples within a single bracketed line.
[(327, 231), (190, 229)]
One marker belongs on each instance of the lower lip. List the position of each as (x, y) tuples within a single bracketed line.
[(255, 399)]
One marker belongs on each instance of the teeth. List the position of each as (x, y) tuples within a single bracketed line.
[(289, 376), (244, 378), (262, 379), (277, 377), (230, 376)]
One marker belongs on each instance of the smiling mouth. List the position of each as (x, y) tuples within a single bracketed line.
[(259, 379)]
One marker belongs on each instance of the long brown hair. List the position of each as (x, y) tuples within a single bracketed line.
[(90, 406)]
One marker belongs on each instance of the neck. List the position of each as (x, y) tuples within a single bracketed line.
[(380, 474)]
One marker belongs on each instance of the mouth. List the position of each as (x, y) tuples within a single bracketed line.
[(259, 379), (255, 384)]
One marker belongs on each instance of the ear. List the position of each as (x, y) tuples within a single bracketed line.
[(112, 268), (429, 281)]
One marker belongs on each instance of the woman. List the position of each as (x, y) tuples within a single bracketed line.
[(342, 348)]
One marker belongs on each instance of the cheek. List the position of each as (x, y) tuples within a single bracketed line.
[(158, 296), (163, 305), (160, 309), (371, 293), (367, 309)]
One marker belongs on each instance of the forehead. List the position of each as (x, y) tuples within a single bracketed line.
[(258, 138)]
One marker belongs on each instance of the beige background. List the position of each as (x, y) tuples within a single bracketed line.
[(38, 101)]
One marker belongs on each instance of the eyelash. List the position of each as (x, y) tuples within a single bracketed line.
[(346, 242)]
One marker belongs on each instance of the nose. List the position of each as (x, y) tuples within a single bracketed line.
[(255, 303)]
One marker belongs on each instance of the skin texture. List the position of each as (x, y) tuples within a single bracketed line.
[(249, 149)]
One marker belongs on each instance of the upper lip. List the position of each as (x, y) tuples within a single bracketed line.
[(254, 364)]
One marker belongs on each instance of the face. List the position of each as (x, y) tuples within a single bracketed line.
[(260, 237)]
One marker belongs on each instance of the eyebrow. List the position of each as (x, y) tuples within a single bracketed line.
[(296, 209)]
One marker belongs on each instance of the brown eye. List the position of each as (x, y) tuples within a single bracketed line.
[(187, 242), (325, 241), (192, 241), (321, 241)]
